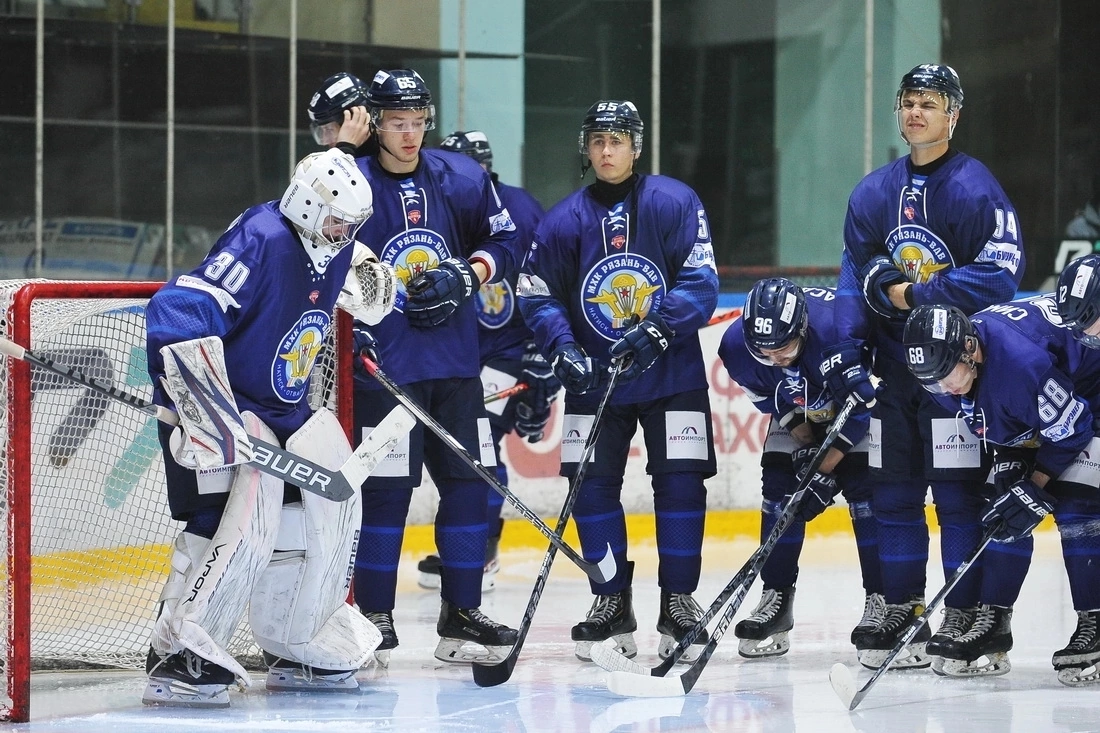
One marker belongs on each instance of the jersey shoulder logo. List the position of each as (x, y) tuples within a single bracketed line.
[(296, 355), (495, 304), (410, 253), (620, 286)]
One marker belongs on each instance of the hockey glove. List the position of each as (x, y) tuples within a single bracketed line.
[(533, 405), (365, 345), (574, 368), (845, 374), (878, 275), (437, 293), (802, 457), (819, 494), (642, 343), (1017, 511)]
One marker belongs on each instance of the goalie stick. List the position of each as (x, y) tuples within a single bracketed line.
[(490, 675), (271, 459), (601, 572), (634, 680), (842, 679)]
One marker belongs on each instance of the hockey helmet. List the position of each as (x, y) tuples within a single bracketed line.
[(328, 199), (612, 115), (775, 314), (937, 338), (473, 143), (399, 89), (1078, 297)]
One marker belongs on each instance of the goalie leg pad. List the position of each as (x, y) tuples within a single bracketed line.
[(299, 610), (211, 580), (212, 430)]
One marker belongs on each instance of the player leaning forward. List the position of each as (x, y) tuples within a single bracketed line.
[(630, 246), (231, 346)]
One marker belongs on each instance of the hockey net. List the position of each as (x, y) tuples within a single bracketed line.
[(86, 520)]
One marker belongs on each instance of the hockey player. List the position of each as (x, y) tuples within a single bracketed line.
[(772, 351), (440, 224), (231, 346), (931, 227), (628, 247), (508, 354), (1019, 379), (338, 115)]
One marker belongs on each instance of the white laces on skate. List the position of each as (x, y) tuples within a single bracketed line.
[(896, 616), (604, 608), (874, 610), (957, 621), (770, 605), (984, 622), (683, 609)]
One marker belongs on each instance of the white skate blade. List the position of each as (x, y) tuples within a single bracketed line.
[(636, 685), (607, 655), (458, 651), (428, 581), (668, 644), (773, 646), (1079, 676), (844, 684), (912, 656), (623, 643), (987, 665), (173, 693), (382, 658), (297, 680)]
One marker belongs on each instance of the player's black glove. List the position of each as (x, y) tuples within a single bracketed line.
[(802, 457), (1018, 511), (533, 405), (819, 494), (844, 371), (878, 275), (365, 345), (642, 343), (576, 370), (436, 294)]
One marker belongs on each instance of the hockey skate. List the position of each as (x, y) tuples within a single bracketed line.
[(185, 679), (956, 622), (1079, 663), (610, 617), (764, 632), (460, 626), (679, 615), (877, 645), (284, 675), (989, 639), (874, 607), (383, 620), (429, 570)]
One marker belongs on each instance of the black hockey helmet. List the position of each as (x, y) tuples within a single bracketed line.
[(936, 339), (934, 77), (1078, 297), (399, 89), (612, 115), (337, 93), (473, 143), (775, 314)]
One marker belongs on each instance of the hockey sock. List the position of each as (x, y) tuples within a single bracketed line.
[(781, 568), (1004, 568), (958, 506), (680, 506), (865, 529), (1081, 553), (379, 549), (903, 557), (600, 521), (460, 532)]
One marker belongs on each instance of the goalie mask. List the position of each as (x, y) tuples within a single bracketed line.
[(399, 89), (774, 318), (1078, 299), (473, 143), (938, 338), (328, 199)]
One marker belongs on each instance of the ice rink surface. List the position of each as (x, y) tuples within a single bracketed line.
[(551, 690)]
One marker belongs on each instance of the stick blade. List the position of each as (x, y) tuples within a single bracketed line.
[(636, 685), (609, 658), (844, 685), (607, 567), (376, 446), (491, 675)]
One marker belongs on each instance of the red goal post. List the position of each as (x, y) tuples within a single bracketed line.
[(87, 527)]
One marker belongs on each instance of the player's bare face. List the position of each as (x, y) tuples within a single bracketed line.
[(923, 118), (784, 356), (336, 230), (959, 381), (400, 137), (611, 155)]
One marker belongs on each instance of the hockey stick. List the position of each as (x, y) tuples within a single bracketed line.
[(269, 458), (506, 393), (842, 679), (601, 572), (723, 317), (632, 679), (490, 675)]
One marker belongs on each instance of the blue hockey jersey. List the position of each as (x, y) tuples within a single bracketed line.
[(590, 269), (796, 393), (447, 207), (260, 292), (953, 233)]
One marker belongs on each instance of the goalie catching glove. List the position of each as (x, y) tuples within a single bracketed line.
[(370, 287), (211, 432), (438, 292)]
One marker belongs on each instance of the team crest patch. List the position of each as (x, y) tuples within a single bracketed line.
[(619, 287), (297, 354), (410, 253), (495, 304), (918, 253)]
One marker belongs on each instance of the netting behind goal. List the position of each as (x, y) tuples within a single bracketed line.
[(87, 524)]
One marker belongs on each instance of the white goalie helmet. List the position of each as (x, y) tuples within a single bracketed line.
[(328, 199)]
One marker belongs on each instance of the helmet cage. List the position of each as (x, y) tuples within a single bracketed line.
[(1078, 298), (775, 314)]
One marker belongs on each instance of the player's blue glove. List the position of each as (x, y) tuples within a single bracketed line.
[(574, 368), (1017, 511), (642, 343), (802, 457), (533, 405), (435, 294), (845, 374), (878, 275), (365, 345), (819, 494)]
